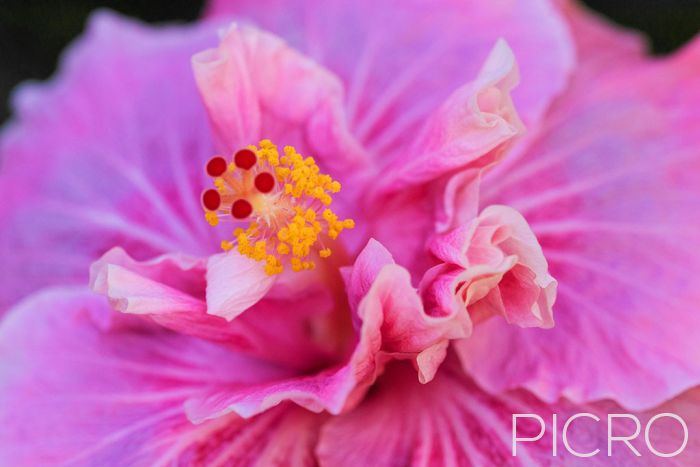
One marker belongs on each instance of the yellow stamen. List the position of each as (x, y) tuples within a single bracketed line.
[(289, 224)]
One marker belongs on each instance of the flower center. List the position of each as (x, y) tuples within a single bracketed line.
[(278, 204)]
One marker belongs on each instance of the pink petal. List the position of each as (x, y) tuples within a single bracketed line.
[(493, 266), (89, 151), (234, 284), (467, 134), (76, 393), (193, 296), (472, 128), (390, 324), (398, 321), (400, 59), (451, 421), (255, 86), (167, 284), (612, 193)]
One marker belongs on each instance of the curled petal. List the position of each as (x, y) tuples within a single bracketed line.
[(255, 86), (234, 284), (197, 297), (399, 324), (493, 266), (473, 128), (611, 191), (390, 323)]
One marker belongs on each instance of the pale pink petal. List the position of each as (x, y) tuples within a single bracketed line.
[(76, 393), (192, 296), (612, 194), (399, 59), (255, 86), (492, 266), (451, 421), (473, 128), (234, 284), (167, 284), (109, 152)]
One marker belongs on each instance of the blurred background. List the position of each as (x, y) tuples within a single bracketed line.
[(34, 32)]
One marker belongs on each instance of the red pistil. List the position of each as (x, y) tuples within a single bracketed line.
[(211, 200), (216, 166), (245, 159), (264, 182), (241, 209)]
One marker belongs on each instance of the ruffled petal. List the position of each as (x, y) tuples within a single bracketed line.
[(472, 128), (451, 421), (612, 193), (492, 266), (201, 297), (109, 152), (390, 324), (434, 186), (400, 59), (78, 391), (255, 86), (400, 325), (167, 284)]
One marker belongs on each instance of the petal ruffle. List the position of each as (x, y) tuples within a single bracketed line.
[(399, 323), (390, 324), (75, 391), (493, 266), (175, 291), (110, 152), (451, 421), (469, 133), (257, 87), (400, 59), (473, 127), (612, 193)]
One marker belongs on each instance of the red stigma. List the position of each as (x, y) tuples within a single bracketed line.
[(211, 199), (216, 166), (264, 182), (245, 159), (241, 209)]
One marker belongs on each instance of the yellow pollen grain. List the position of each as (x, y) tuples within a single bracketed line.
[(211, 218)]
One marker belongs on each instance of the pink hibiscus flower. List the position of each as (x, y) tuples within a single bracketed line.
[(390, 238)]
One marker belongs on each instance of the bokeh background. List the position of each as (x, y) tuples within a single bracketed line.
[(34, 32)]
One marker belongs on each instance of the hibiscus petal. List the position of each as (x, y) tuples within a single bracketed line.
[(167, 284), (234, 284), (612, 193), (110, 152), (468, 133), (255, 86), (493, 266), (172, 291), (472, 128), (451, 421), (398, 322), (390, 324), (75, 393), (400, 59)]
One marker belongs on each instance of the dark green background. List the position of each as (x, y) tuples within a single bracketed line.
[(34, 32)]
